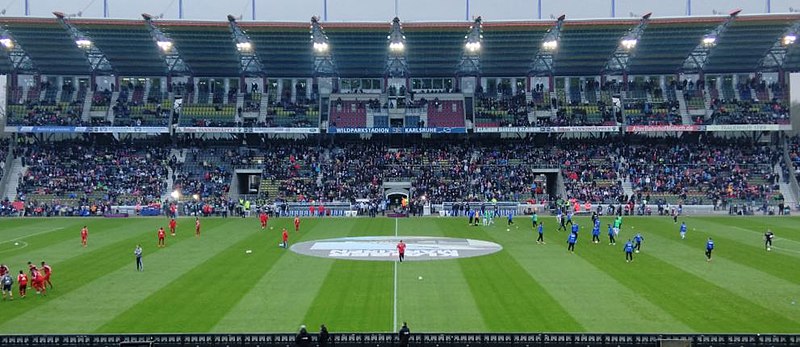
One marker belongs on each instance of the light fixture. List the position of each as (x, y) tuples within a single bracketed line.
[(709, 40), (550, 45), (7, 43), (473, 46), (244, 46), (787, 40), (195, 196), (396, 46), (175, 194), (83, 43), (321, 46), (165, 45), (629, 43)]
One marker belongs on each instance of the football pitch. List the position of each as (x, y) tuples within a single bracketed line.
[(210, 284)]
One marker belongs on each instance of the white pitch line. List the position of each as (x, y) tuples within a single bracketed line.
[(394, 310), (30, 235)]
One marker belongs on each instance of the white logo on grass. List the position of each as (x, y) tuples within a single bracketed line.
[(385, 248)]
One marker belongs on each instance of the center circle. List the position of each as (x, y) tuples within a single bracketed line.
[(384, 248)]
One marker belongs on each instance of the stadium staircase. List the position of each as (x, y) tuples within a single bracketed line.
[(239, 106), (14, 170), (87, 107), (262, 111), (627, 187)]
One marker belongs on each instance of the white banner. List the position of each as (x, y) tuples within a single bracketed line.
[(748, 127)]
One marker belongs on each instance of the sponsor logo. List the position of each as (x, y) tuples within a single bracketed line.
[(384, 248)]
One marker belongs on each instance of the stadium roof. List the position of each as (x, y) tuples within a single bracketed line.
[(433, 49)]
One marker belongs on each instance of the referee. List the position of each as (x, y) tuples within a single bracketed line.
[(138, 253)]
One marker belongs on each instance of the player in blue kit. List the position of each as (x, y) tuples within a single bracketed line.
[(709, 248), (637, 239), (628, 248), (596, 232), (573, 238), (540, 228), (575, 228), (611, 235), (683, 230)]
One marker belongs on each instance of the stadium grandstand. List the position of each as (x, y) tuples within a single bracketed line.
[(640, 116)]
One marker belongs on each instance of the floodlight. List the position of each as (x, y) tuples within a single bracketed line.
[(83, 43), (321, 46), (7, 43), (550, 45), (396, 46), (629, 43), (473, 46), (165, 45), (175, 194), (709, 40), (195, 196), (787, 40), (244, 46)]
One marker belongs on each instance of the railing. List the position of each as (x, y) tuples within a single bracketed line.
[(426, 339)]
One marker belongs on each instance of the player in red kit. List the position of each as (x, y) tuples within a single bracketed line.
[(401, 250), (172, 225), (37, 279), (84, 235), (22, 279), (47, 272), (285, 237), (197, 226), (161, 236), (264, 219), (297, 223)]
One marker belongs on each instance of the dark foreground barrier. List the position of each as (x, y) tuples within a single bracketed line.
[(417, 339)]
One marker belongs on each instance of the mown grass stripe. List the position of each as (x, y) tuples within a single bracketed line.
[(356, 295), (506, 295), (280, 299), (423, 303)]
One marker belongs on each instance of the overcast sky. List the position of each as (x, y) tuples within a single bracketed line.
[(384, 10)]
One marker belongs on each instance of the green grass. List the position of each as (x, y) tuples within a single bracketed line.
[(209, 284)]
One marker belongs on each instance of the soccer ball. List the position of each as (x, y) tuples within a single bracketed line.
[(249, 251), (769, 249), (507, 229), (270, 228), (16, 243), (637, 251), (420, 278)]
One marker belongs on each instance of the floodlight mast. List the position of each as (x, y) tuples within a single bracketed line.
[(249, 62), (620, 58), (775, 57), (698, 57), (542, 64), (324, 65), (21, 61), (470, 63), (98, 62), (175, 65), (396, 64)]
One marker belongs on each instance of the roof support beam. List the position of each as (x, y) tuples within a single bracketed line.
[(698, 57), (470, 64), (249, 63), (775, 57), (98, 62), (396, 64), (324, 65), (21, 62), (618, 62), (542, 64), (175, 65)]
